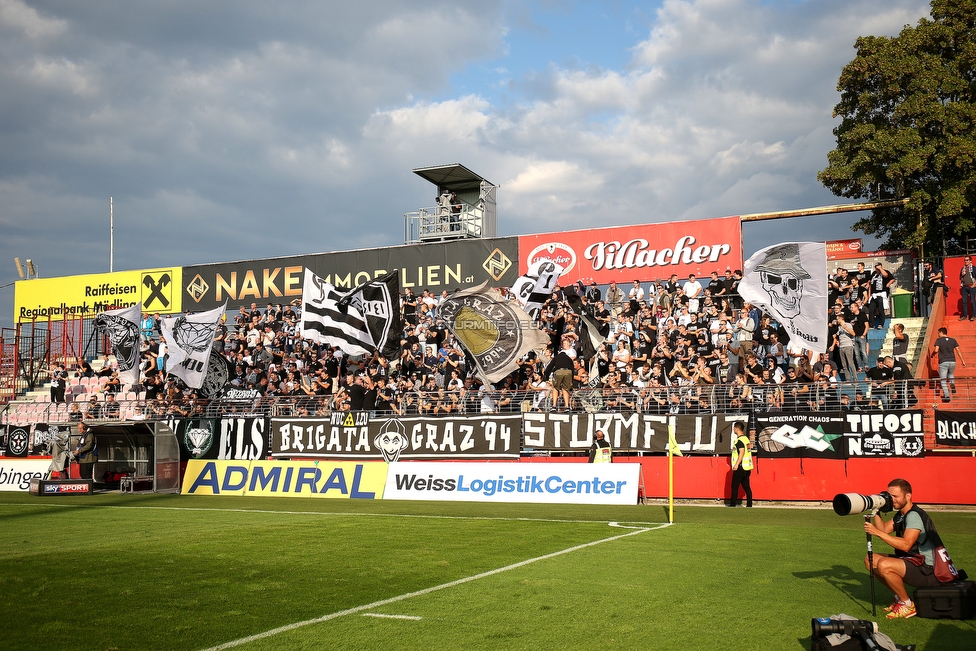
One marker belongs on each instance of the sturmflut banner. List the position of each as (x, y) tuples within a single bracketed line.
[(354, 435), (542, 483), (703, 434)]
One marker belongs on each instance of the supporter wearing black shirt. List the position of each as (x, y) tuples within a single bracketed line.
[(881, 379), (716, 286), (357, 392)]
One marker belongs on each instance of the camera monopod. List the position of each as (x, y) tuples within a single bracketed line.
[(869, 518), (869, 505)]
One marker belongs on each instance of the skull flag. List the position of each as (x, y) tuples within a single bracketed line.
[(122, 329), (789, 281)]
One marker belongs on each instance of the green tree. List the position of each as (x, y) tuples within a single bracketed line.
[(908, 130)]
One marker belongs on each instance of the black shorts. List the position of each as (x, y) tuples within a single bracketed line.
[(920, 576)]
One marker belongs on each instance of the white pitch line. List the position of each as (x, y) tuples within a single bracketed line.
[(325, 513), (420, 593), (411, 617)]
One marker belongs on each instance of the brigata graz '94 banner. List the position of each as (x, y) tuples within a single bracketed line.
[(355, 436), (957, 428), (703, 434), (815, 434), (894, 433), (547, 483)]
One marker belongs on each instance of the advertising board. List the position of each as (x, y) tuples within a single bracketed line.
[(541, 483), (16, 474), (437, 266), (155, 290), (340, 480), (644, 252)]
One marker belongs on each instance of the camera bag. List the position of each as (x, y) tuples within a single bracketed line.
[(955, 600)]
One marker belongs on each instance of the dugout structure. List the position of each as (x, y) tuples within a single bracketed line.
[(144, 456)]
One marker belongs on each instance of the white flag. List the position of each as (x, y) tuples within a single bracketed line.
[(534, 288), (324, 319), (122, 329), (790, 282), (189, 339)]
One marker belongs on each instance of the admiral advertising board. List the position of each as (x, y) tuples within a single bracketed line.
[(155, 290), (540, 483), (705, 434), (437, 266), (645, 252), (338, 480)]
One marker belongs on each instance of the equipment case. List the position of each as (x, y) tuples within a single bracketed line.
[(956, 600)]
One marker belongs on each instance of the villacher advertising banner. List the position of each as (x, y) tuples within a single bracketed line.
[(645, 252), (702, 434), (355, 436), (956, 428), (811, 435), (437, 266), (545, 483), (894, 433)]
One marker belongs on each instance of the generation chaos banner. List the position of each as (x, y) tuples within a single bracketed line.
[(645, 252)]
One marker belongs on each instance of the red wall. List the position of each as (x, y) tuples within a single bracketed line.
[(935, 479)]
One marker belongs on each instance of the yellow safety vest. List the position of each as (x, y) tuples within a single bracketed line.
[(746, 453), (603, 455)]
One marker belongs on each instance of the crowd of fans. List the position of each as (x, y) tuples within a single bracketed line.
[(691, 346)]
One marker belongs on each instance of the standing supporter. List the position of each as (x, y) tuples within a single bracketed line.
[(859, 319), (881, 283), (946, 349), (899, 345), (693, 292), (932, 281), (744, 328), (967, 289), (614, 298)]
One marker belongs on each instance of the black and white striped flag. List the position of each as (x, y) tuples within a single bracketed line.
[(325, 320), (534, 288)]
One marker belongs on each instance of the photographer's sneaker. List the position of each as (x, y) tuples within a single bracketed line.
[(891, 606), (902, 611)]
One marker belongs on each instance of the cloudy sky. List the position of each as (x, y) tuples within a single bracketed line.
[(231, 130)]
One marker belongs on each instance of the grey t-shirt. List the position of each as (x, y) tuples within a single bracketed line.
[(947, 349), (925, 547)]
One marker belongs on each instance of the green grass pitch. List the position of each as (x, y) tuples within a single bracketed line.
[(187, 573)]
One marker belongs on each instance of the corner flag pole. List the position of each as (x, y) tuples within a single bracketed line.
[(670, 471)]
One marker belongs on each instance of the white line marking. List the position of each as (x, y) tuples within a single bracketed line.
[(325, 513), (412, 617), (419, 593)]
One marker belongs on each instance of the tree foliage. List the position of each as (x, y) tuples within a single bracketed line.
[(908, 129)]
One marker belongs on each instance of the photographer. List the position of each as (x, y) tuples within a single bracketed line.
[(910, 534)]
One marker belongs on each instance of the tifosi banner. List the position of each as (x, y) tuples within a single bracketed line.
[(706, 434), (956, 428), (545, 483), (338, 480), (894, 433), (154, 290), (440, 266), (355, 435), (818, 435), (645, 252)]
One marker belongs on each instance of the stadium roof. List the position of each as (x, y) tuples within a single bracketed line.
[(453, 176)]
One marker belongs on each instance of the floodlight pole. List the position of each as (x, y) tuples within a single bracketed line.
[(111, 236)]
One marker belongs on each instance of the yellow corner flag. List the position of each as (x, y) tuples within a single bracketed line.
[(672, 443)]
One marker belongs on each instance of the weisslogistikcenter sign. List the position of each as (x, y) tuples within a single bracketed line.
[(543, 483), (645, 252)]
